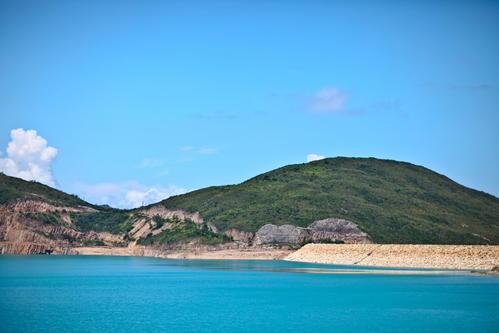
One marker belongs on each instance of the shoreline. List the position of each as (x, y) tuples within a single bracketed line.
[(480, 258), (224, 254)]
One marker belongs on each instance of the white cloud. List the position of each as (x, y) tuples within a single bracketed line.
[(29, 157), (137, 198), (314, 157), (127, 194), (329, 99)]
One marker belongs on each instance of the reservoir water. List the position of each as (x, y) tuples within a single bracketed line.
[(137, 294)]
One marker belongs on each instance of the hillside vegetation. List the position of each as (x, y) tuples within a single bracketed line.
[(12, 188), (394, 202), (183, 230), (103, 218)]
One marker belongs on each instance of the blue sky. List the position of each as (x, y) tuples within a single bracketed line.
[(143, 99)]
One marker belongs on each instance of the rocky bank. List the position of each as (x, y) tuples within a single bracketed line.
[(463, 257)]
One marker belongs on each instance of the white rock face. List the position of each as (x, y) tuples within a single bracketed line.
[(168, 213)]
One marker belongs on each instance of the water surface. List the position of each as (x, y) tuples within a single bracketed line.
[(137, 294)]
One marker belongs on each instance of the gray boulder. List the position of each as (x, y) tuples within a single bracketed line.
[(335, 225), (331, 229), (284, 234), (337, 229)]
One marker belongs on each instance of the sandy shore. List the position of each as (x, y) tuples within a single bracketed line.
[(235, 254), (462, 257)]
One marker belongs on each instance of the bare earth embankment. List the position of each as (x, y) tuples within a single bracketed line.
[(236, 254), (457, 257), (461, 257)]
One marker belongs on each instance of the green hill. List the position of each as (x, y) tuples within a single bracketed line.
[(12, 188), (394, 202)]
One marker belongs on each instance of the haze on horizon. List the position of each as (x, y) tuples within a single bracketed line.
[(130, 102)]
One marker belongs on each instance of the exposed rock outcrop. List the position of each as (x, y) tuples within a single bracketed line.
[(240, 236), (22, 233), (33, 248), (158, 210), (40, 207), (284, 234), (141, 228), (32, 227), (337, 229), (331, 229)]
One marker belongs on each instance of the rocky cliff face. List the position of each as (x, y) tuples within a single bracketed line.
[(144, 224), (38, 227), (32, 227), (245, 237), (22, 231)]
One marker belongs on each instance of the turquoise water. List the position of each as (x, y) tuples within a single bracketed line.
[(135, 294)]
